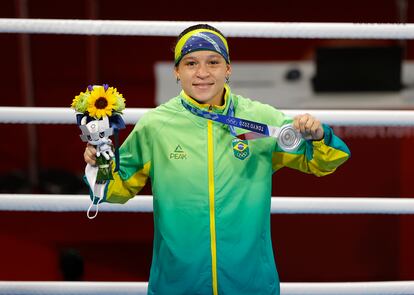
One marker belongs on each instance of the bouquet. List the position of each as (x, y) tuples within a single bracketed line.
[(99, 111)]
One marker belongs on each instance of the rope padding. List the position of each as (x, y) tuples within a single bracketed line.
[(279, 205), (49, 115), (230, 29), (140, 288)]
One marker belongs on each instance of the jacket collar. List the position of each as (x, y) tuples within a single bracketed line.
[(216, 109)]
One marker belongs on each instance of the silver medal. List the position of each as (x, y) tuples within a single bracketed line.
[(289, 138)]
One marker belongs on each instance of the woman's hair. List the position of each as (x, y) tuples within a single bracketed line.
[(196, 27)]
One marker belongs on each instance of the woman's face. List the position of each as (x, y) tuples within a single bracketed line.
[(203, 74)]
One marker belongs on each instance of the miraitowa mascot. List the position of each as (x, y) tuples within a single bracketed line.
[(97, 133)]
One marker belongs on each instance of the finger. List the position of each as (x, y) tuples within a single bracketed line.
[(89, 160), (309, 124), (317, 131), (111, 153), (295, 123), (316, 125), (320, 133), (90, 151), (89, 154), (302, 123)]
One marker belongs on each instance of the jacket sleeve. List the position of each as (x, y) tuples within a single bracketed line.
[(320, 158), (134, 166)]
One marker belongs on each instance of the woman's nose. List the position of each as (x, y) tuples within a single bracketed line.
[(202, 71)]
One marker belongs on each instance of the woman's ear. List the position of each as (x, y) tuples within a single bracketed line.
[(228, 71), (176, 74)]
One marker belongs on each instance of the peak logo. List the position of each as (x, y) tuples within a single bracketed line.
[(178, 154)]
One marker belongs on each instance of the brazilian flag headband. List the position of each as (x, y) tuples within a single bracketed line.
[(201, 39)]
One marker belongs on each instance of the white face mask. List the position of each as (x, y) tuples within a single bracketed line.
[(88, 213), (98, 189)]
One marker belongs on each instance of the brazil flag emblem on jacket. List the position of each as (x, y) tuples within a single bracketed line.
[(240, 148)]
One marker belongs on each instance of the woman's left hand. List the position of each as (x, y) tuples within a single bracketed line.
[(308, 126)]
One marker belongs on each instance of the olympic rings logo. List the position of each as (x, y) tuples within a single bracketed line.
[(242, 155), (231, 121)]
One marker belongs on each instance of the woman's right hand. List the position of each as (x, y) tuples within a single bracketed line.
[(90, 154)]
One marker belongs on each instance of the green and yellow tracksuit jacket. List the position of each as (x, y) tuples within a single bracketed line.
[(211, 198)]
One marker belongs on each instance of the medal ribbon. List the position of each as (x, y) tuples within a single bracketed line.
[(259, 129), (288, 138)]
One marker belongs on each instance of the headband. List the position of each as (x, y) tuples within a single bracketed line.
[(201, 39)]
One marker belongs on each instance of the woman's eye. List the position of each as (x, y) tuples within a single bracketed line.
[(190, 63)]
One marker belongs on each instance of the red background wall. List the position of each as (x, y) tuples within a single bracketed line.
[(118, 246)]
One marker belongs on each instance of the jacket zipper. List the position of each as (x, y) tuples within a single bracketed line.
[(211, 202)]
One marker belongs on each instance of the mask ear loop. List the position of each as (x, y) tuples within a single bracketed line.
[(88, 214)]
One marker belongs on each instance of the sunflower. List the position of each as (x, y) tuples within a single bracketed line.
[(101, 102)]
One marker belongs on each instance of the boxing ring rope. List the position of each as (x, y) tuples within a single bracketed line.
[(140, 288), (230, 29), (45, 115), (279, 205), (290, 205)]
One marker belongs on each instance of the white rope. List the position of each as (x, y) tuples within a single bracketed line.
[(130, 288), (43, 115), (141, 203), (360, 288), (230, 29), (72, 288)]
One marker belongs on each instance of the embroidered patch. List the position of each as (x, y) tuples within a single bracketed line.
[(240, 148)]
